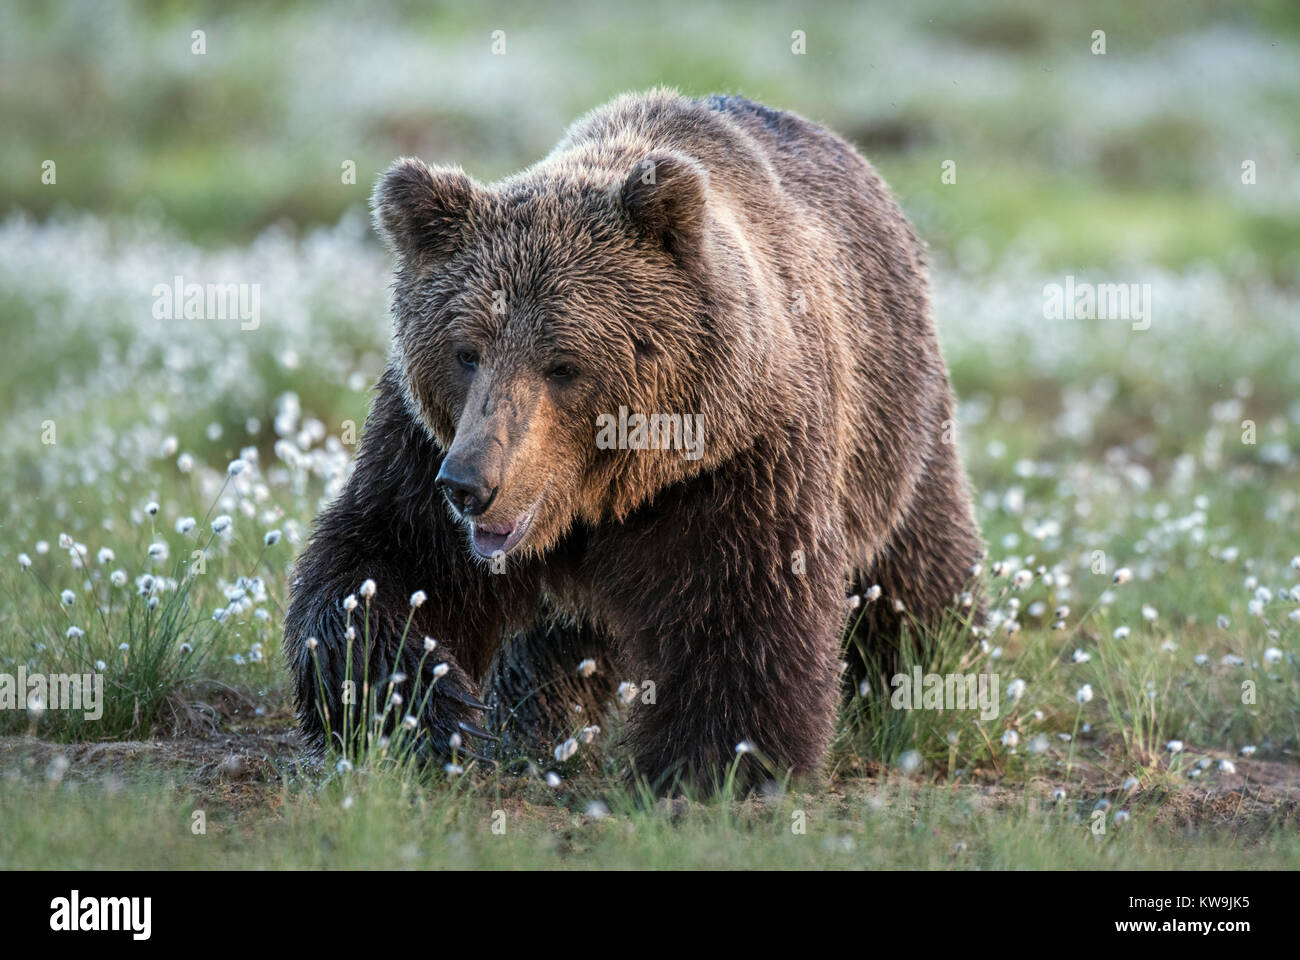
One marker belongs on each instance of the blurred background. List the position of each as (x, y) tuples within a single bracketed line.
[(1127, 163)]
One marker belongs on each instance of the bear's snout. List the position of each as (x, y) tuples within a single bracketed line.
[(470, 478)]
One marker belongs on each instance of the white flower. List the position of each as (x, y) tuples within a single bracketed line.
[(367, 589), (1227, 766), (453, 769), (873, 593), (553, 779), (185, 463), (1084, 694), (124, 647), (1123, 575), (1010, 738), (1174, 746), (186, 649), (1129, 785), (75, 633), (1273, 655), (235, 467), (587, 667), (1149, 613), (24, 561), (743, 748), (627, 691), (1295, 562), (597, 810), (151, 508), (565, 750), (1121, 816), (429, 644), (185, 524), (65, 542), (418, 598), (350, 602), (221, 524), (440, 671), (42, 547), (272, 538), (312, 643), (1248, 750), (68, 598), (1082, 656), (343, 766), (117, 578), (589, 734), (105, 555), (158, 550), (1022, 579), (1201, 659), (454, 741), (1168, 646), (100, 666), (1058, 795), (409, 722), (1121, 633), (1016, 689), (910, 761)]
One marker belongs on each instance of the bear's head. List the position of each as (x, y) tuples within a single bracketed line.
[(529, 313)]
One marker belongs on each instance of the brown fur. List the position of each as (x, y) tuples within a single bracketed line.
[(763, 278)]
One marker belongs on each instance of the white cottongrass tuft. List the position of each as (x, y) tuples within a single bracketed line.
[(1084, 693), (565, 750), (418, 598)]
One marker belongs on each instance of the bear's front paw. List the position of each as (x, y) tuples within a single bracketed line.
[(450, 718)]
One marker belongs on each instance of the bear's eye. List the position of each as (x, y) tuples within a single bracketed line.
[(562, 372), (468, 359)]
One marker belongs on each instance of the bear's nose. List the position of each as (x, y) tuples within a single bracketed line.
[(466, 487)]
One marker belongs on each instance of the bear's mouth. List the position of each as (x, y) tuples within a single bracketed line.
[(488, 539)]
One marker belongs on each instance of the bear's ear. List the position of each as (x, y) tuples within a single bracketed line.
[(664, 196), (420, 212)]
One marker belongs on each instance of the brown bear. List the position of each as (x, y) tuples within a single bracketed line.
[(740, 280)]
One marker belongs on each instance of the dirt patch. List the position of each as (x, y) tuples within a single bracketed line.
[(246, 769)]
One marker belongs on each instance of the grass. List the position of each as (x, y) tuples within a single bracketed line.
[(1170, 452)]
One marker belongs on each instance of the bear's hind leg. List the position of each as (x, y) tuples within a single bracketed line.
[(541, 688), (925, 567)]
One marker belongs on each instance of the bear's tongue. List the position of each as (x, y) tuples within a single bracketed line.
[(489, 538)]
